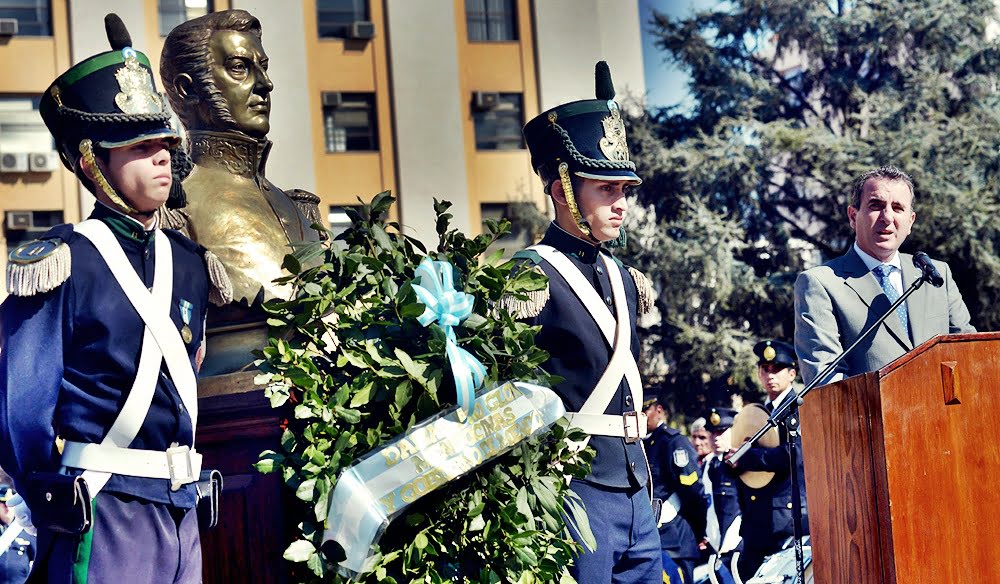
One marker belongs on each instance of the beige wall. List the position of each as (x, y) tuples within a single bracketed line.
[(429, 113), (573, 35)]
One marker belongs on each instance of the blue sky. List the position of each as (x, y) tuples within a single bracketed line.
[(665, 84)]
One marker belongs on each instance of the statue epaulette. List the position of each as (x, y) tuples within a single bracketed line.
[(221, 291), (40, 265), (533, 302)]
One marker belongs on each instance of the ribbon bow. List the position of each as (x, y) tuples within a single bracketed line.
[(435, 288)]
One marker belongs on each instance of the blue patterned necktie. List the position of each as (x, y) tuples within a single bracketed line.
[(882, 272)]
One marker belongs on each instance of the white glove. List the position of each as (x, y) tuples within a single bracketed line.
[(22, 515)]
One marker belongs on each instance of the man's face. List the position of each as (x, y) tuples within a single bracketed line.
[(723, 440), (239, 68), (884, 219), (654, 414), (602, 203), (702, 442), (775, 378), (141, 172)]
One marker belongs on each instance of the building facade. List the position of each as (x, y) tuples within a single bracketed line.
[(425, 98)]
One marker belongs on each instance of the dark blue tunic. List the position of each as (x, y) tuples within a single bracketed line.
[(69, 357), (578, 352)]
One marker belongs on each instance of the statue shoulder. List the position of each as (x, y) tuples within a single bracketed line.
[(40, 265), (220, 290)]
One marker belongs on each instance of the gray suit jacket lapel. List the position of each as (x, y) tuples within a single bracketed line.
[(866, 285), (917, 303)]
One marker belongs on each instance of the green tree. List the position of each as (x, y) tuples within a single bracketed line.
[(792, 100)]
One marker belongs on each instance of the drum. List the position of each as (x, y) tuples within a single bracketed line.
[(751, 419), (779, 568)]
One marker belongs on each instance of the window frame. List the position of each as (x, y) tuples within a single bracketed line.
[(46, 27), (350, 103), (490, 18), (478, 119)]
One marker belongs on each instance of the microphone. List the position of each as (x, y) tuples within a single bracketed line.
[(931, 274)]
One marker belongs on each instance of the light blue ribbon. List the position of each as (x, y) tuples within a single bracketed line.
[(435, 288)]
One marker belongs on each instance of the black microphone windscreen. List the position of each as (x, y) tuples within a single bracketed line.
[(926, 266), (118, 35)]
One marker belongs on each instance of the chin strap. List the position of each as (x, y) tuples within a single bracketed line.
[(567, 186), (89, 163)]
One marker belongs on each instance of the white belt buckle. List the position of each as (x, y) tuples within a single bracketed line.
[(180, 466), (632, 431)]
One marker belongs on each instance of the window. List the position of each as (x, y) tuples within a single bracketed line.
[(491, 20), (498, 119), (34, 17), (349, 123), (334, 17), (174, 12)]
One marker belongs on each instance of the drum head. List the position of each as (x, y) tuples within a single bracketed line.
[(747, 422)]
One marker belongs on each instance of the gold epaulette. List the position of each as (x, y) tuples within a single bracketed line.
[(38, 266), (531, 306), (645, 290), (221, 292)]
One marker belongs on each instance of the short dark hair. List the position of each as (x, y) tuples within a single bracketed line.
[(185, 50), (882, 172)]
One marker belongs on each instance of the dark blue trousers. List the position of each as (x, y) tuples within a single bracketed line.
[(132, 541), (628, 545)]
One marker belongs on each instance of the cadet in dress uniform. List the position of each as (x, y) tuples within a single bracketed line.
[(15, 562), (588, 314), (676, 474), (102, 335), (720, 481), (767, 511)]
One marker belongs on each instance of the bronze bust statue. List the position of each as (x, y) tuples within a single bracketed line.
[(214, 70)]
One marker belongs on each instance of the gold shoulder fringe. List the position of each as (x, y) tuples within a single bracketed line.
[(41, 276), (529, 308), (646, 296), (221, 292)]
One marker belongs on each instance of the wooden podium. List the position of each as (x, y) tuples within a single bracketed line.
[(901, 467)]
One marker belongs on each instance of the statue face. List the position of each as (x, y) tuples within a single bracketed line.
[(239, 67)]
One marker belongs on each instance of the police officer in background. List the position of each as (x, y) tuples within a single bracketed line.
[(102, 335), (676, 484), (720, 481), (701, 439), (587, 314), (767, 511), (18, 549)]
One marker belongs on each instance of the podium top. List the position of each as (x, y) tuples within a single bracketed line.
[(932, 342)]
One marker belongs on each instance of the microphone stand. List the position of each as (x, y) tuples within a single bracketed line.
[(788, 411)]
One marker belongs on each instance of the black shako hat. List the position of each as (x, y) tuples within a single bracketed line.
[(588, 135), (109, 99), (777, 352)]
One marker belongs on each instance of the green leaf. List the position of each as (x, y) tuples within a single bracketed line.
[(306, 490), (420, 541)]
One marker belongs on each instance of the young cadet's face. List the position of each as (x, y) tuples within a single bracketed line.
[(775, 378), (141, 172), (884, 219), (602, 203)]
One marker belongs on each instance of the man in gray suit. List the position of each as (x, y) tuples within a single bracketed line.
[(836, 301)]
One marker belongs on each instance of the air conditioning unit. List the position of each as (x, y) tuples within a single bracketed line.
[(484, 101), (43, 161), (8, 27), (20, 220), (14, 162), (333, 99), (363, 30)]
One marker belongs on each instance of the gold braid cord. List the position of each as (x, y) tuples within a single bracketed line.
[(567, 186), (89, 163)]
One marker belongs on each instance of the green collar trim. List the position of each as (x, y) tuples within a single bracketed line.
[(96, 63), (122, 225)]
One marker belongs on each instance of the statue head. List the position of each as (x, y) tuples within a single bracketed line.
[(214, 70)]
